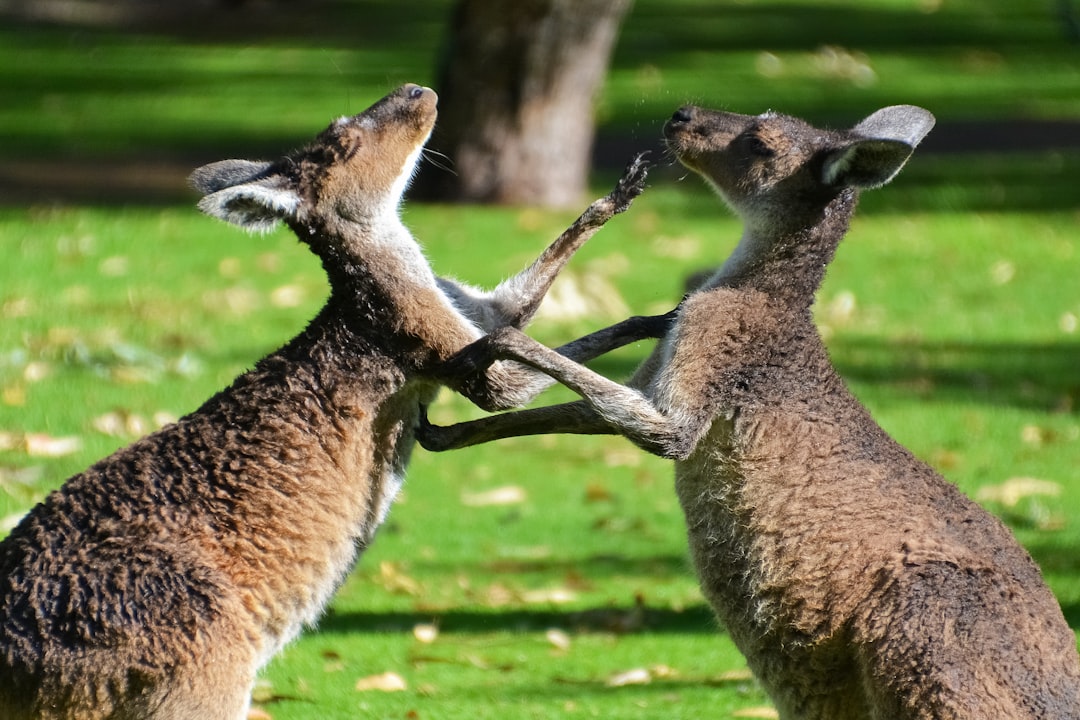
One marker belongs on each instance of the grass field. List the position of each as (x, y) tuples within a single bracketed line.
[(952, 310)]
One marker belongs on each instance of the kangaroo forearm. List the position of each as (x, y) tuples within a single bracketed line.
[(529, 382), (575, 418), (615, 336), (518, 299)]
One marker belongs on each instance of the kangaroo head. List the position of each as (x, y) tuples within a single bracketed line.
[(354, 172), (774, 170)]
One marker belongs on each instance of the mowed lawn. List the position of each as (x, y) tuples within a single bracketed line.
[(548, 577)]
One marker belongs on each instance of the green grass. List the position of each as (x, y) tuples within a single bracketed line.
[(952, 310)]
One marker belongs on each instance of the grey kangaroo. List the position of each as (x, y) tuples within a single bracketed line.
[(155, 584), (858, 583)]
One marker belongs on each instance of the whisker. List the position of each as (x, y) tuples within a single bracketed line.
[(430, 156)]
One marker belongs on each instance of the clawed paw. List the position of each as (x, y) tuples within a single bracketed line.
[(632, 182), (431, 437)]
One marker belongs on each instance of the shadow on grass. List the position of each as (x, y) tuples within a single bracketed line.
[(619, 619), (1043, 377), (1037, 376)]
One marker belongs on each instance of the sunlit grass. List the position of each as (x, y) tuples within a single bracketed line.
[(953, 327), (952, 310)]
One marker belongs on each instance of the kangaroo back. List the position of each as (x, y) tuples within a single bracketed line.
[(155, 584)]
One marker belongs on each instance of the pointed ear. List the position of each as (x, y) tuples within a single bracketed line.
[(882, 143), (254, 206), (220, 175), (906, 123), (865, 164)]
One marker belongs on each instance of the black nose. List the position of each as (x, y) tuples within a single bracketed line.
[(682, 115)]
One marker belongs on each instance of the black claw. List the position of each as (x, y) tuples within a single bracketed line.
[(429, 436), (632, 182)]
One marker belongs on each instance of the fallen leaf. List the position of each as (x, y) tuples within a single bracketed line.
[(556, 596), (121, 423), (764, 713), (636, 676), (287, 296), (558, 639), (595, 492), (426, 633), (1036, 436), (739, 675), (507, 495), (1013, 490), (162, 418), (42, 445), (36, 371), (8, 523), (259, 714), (14, 395), (662, 671), (385, 682), (394, 580)]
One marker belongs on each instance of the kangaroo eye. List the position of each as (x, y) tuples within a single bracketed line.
[(758, 147)]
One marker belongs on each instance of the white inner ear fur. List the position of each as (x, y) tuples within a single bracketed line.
[(253, 206), (837, 163)]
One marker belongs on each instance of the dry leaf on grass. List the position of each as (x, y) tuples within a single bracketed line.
[(384, 682), (731, 676), (394, 580), (287, 296), (555, 595), (558, 639), (595, 492), (636, 676), (259, 714), (42, 445), (641, 676), (764, 713), (426, 633), (506, 495), (1013, 490)]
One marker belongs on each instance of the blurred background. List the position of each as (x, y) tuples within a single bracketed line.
[(115, 100)]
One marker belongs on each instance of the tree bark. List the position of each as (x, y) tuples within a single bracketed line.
[(516, 85)]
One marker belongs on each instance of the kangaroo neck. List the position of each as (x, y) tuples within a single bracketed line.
[(789, 263)]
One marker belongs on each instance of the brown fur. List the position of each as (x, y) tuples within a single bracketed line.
[(154, 585), (858, 582)]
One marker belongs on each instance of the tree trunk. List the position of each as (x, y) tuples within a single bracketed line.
[(516, 87)]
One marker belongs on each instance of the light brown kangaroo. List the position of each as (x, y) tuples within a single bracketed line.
[(858, 582), (155, 584)]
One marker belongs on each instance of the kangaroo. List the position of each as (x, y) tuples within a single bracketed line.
[(154, 585), (858, 583)]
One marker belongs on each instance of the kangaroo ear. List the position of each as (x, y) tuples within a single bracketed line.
[(865, 164), (244, 193), (881, 144), (906, 123), (220, 175)]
